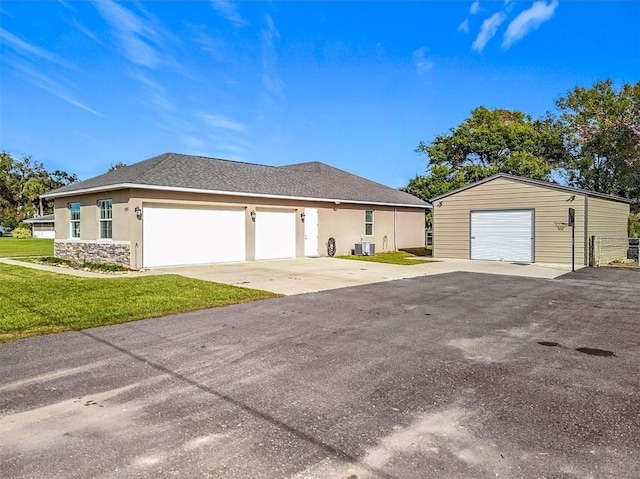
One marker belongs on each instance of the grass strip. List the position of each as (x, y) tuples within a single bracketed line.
[(36, 302)]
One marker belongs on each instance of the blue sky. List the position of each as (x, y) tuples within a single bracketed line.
[(355, 85)]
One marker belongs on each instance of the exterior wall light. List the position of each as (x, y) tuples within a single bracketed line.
[(253, 215), (138, 212), (302, 216)]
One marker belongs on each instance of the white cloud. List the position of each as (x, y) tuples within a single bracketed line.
[(528, 20), (475, 7), (138, 37), (464, 26), (420, 60), (219, 121), (488, 30), (228, 10)]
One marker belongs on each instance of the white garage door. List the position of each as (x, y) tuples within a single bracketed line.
[(275, 234), (180, 236), (502, 235)]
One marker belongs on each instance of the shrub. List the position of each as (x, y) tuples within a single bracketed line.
[(104, 266), (634, 225), (22, 231)]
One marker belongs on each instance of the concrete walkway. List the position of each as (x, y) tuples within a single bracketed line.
[(306, 275)]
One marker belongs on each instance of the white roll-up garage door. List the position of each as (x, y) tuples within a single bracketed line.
[(275, 234), (502, 235), (174, 236)]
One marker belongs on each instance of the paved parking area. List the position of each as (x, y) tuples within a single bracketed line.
[(455, 375), (307, 275)]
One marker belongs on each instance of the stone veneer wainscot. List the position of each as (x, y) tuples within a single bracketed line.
[(98, 252)]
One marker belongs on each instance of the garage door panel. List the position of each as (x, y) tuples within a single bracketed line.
[(182, 236), (275, 234), (502, 235)]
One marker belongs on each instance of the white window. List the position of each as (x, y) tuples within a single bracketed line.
[(368, 223), (74, 220), (106, 230)]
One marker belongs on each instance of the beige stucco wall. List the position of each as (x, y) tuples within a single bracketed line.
[(607, 218), (452, 216), (89, 227), (345, 222)]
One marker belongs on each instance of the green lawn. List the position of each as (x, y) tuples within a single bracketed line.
[(35, 302), (13, 247), (391, 257)]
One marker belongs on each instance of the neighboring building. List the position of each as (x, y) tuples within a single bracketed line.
[(509, 218), (177, 209), (42, 226)]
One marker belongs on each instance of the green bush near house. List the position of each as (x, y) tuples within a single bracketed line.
[(22, 231), (36, 302)]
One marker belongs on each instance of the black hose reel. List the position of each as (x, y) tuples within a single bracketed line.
[(331, 246)]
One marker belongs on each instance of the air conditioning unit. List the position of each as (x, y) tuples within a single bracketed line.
[(365, 249)]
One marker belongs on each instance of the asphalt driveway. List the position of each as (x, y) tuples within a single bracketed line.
[(437, 376)]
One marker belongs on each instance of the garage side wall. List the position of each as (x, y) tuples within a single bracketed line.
[(607, 218), (451, 218), (346, 224)]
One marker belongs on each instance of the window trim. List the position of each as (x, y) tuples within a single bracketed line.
[(74, 221), (366, 223), (102, 220)]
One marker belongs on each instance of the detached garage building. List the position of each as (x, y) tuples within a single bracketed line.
[(509, 218), (182, 210)]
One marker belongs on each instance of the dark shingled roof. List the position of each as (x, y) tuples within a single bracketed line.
[(305, 180)]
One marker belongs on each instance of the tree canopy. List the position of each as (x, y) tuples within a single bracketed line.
[(592, 141), (21, 184), (489, 142), (601, 131)]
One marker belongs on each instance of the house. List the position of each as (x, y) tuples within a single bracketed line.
[(42, 226), (178, 209), (510, 218)]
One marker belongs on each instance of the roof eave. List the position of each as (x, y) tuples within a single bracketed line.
[(122, 186), (530, 181)]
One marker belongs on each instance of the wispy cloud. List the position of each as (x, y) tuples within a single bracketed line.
[(219, 121), (29, 50), (75, 23), (229, 10), (270, 77), (420, 60), (53, 87), (464, 26), (137, 36), (488, 30), (528, 20)]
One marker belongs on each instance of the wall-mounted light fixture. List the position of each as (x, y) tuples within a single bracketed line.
[(138, 212), (439, 204), (572, 197), (253, 215), (302, 216)]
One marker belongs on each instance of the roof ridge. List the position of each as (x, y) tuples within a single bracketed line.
[(152, 166), (223, 159)]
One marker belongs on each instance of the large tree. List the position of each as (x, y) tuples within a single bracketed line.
[(489, 142), (21, 184), (601, 129)]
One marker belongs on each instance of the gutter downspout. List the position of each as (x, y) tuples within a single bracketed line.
[(395, 244)]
